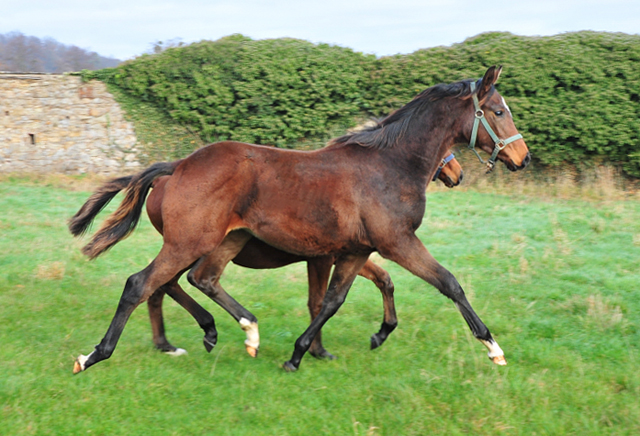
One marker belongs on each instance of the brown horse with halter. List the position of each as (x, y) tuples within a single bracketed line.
[(256, 255), (362, 193)]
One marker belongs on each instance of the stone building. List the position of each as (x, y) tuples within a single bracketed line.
[(58, 124)]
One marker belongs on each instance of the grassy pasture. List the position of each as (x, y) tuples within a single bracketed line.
[(555, 279)]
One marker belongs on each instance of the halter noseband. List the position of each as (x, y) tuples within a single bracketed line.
[(443, 163), (500, 144)]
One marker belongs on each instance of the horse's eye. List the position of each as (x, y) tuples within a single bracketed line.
[(499, 113)]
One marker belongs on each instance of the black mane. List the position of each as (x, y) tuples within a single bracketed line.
[(386, 133)]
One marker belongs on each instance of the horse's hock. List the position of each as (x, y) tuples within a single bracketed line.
[(51, 123)]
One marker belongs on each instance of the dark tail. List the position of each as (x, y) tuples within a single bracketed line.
[(80, 222), (124, 220)]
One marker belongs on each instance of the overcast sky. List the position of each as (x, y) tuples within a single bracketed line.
[(126, 28)]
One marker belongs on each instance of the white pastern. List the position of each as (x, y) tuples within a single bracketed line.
[(253, 335), (177, 352), (496, 355), (494, 348), (82, 359)]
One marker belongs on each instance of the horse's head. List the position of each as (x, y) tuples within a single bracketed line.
[(449, 171), (498, 135)]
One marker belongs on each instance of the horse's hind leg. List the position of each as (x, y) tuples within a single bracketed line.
[(411, 254), (154, 304), (138, 288), (343, 276), (382, 280), (203, 318), (318, 273), (205, 275)]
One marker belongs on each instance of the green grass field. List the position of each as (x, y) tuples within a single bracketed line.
[(556, 281)]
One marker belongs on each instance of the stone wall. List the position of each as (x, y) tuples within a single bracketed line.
[(58, 124)]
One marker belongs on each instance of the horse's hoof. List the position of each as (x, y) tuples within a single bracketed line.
[(499, 360), (289, 367), (375, 342), (176, 352), (253, 351), (79, 364), (323, 355), (328, 356), (208, 345)]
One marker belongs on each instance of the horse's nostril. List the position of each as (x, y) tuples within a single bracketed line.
[(461, 177), (526, 160)]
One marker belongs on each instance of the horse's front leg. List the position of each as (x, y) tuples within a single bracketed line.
[(411, 254), (344, 274)]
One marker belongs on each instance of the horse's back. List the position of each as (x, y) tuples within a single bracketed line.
[(307, 198)]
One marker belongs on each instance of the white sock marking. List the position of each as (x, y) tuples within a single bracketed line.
[(251, 329), (82, 359), (494, 348)]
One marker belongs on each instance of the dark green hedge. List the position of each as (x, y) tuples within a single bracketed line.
[(575, 96), (278, 91)]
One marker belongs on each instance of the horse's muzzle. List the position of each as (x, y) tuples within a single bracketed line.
[(513, 167)]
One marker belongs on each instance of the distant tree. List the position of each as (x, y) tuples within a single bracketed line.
[(20, 53), (160, 46)]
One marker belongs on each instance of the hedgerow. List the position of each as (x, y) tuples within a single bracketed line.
[(277, 91), (575, 97)]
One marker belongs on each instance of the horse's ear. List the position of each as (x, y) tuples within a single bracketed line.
[(489, 79)]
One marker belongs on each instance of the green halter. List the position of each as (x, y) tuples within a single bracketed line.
[(499, 143)]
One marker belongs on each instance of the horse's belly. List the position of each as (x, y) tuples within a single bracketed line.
[(314, 236)]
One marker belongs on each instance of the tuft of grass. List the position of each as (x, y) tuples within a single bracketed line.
[(601, 313), (50, 271)]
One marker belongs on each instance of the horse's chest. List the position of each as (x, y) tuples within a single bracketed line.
[(411, 204)]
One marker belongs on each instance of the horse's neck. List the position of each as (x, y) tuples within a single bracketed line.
[(427, 143)]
